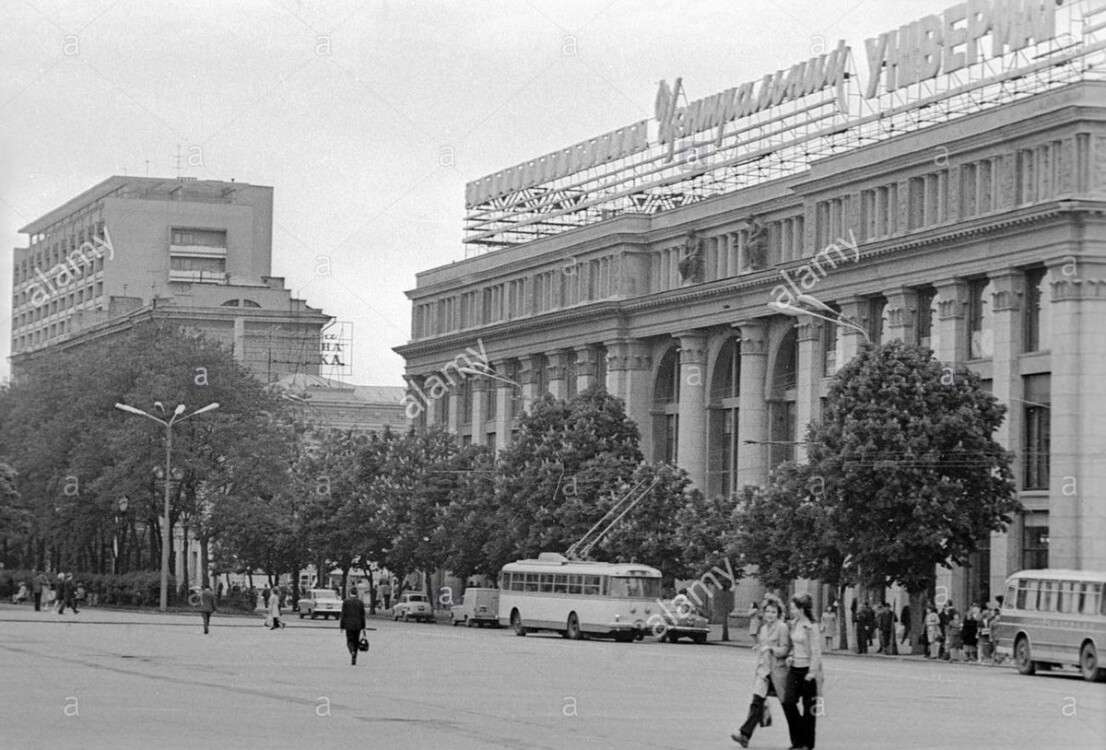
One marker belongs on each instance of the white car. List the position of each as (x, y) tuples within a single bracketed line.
[(413, 606), (477, 607), (322, 602)]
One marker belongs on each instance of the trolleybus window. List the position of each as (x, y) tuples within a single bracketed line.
[(649, 588)]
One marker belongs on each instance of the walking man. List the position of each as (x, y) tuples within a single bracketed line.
[(38, 584), (274, 608), (207, 605), (353, 622), (65, 594)]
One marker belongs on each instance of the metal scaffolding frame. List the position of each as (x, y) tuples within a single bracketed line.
[(784, 140)]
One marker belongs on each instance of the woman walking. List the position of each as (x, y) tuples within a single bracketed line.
[(933, 631), (773, 645), (804, 673), (274, 609)]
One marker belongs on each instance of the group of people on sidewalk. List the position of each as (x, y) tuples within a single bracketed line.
[(789, 667), (65, 592), (951, 637)]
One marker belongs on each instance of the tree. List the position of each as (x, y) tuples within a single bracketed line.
[(903, 475)]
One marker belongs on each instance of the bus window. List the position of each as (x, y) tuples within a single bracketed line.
[(531, 581), (1067, 596), (591, 585), (560, 583), (547, 583), (635, 587), (574, 585), (1046, 599), (1023, 595)]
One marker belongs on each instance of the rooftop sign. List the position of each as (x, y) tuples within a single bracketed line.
[(973, 55)]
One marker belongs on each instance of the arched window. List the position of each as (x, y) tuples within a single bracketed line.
[(230, 303), (666, 400), (725, 392), (249, 303)]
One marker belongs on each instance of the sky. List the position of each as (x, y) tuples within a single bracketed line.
[(367, 118)]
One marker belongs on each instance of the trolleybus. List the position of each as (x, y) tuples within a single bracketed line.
[(575, 597), (1054, 618)]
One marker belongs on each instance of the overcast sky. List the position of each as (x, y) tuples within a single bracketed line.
[(367, 118)]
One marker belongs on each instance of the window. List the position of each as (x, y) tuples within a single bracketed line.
[(1038, 311), (531, 582), (925, 317), (1035, 541), (625, 587), (877, 318), (1037, 437), (725, 402), (591, 585), (546, 583), (560, 583), (200, 237), (916, 203), (1067, 597), (980, 320), (1046, 598)]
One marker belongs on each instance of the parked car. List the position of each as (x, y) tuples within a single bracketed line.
[(322, 602), (682, 621), (413, 606), (478, 607)]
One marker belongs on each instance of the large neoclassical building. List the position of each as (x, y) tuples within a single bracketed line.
[(979, 232)]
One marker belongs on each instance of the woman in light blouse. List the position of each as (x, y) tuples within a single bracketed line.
[(802, 677), (773, 645)]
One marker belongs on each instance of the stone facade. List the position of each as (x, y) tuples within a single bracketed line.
[(969, 237)]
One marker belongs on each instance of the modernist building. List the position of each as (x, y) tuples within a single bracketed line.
[(970, 220), (192, 253)]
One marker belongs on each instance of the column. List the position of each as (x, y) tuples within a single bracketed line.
[(453, 410), (585, 368), (556, 373), (808, 381), (629, 375), (503, 418), (902, 312), (952, 320), (1077, 522), (1006, 386), (850, 339), (752, 425), (692, 432), (479, 386), (528, 380)]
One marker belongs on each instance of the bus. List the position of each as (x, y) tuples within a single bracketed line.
[(578, 598), (1053, 618)]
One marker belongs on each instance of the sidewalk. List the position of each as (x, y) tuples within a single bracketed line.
[(741, 639)]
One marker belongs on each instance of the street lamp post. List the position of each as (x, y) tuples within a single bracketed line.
[(168, 425)]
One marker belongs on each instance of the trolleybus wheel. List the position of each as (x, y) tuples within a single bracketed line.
[(1088, 663), (572, 628), (1022, 656)]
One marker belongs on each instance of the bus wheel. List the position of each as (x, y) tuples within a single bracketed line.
[(516, 623), (1022, 658), (1088, 663), (572, 628)]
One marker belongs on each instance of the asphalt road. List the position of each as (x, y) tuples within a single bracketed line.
[(133, 680)]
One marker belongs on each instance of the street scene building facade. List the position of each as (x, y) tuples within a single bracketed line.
[(970, 220), (191, 253)]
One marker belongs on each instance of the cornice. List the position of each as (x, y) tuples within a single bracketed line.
[(766, 278)]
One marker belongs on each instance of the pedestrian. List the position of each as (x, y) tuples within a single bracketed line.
[(207, 605), (386, 593), (933, 632), (904, 623), (754, 622), (955, 634), (353, 622), (22, 594), (829, 626), (39, 584), (985, 645), (770, 676), (274, 610), (885, 622), (971, 633), (65, 594), (865, 625), (804, 674)]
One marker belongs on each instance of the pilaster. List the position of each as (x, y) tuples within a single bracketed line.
[(902, 315), (556, 373), (952, 320), (629, 370)]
